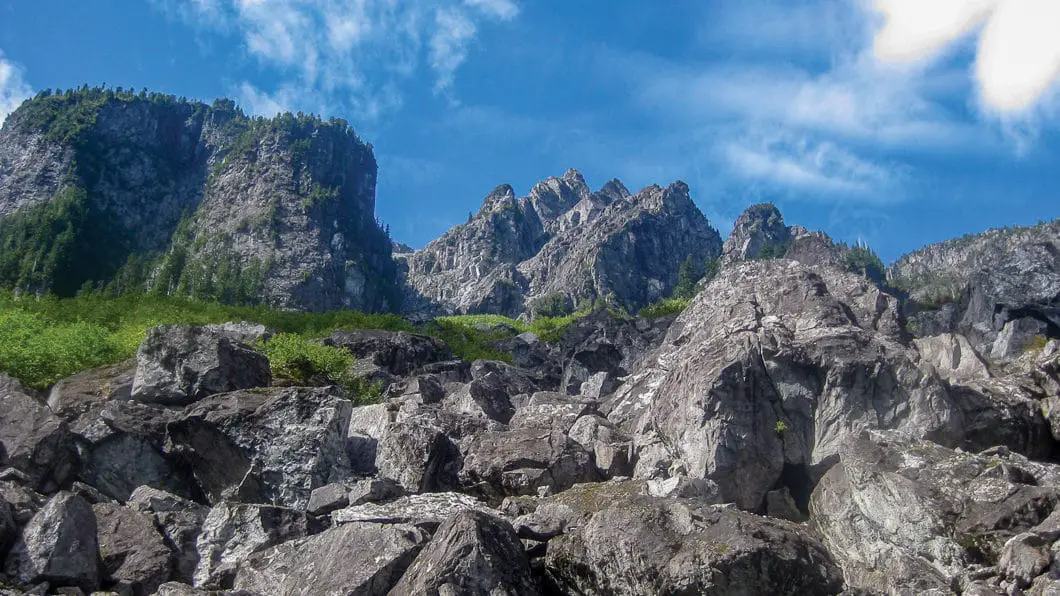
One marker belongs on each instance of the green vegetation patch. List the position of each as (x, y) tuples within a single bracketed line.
[(665, 308), (306, 363), (42, 341)]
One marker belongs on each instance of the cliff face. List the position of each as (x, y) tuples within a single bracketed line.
[(560, 247), (134, 191), (1001, 287)]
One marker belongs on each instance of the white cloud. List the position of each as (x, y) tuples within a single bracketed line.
[(1018, 55), (13, 88), (449, 45), (359, 53), (505, 10), (822, 168)]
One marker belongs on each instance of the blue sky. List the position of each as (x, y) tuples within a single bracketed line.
[(853, 116)]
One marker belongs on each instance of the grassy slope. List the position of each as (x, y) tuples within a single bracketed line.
[(42, 341)]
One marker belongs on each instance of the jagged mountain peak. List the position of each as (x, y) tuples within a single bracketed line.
[(498, 198), (614, 190), (759, 229), (566, 243)]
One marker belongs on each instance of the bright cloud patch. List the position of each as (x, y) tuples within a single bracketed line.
[(1018, 58), (13, 89), (357, 52), (821, 168)]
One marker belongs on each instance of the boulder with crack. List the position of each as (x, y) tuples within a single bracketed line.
[(768, 371), (58, 546), (232, 532), (135, 556), (472, 553), (270, 445), (907, 514), (34, 440), (646, 545), (181, 364), (180, 520), (524, 461), (356, 558)]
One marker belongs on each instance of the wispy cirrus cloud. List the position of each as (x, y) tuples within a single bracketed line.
[(13, 87), (357, 55)]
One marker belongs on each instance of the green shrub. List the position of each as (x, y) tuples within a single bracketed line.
[(305, 363), (39, 354), (469, 342), (780, 426), (664, 308), (556, 304)]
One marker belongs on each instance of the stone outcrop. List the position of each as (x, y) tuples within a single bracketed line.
[(903, 514), (280, 211), (34, 440), (180, 364), (472, 553), (999, 288), (562, 245)]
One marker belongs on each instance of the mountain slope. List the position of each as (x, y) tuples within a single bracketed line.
[(136, 191), (561, 247), (1001, 287)]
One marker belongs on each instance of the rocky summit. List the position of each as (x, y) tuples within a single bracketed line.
[(799, 420), (561, 247)]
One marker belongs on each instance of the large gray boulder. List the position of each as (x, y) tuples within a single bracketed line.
[(357, 558), (636, 544), (34, 440), (232, 532), (906, 514), (124, 447), (418, 455), (181, 364), (270, 445), (79, 399), (58, 546), (135, 556), (472, 553), (180, 520), (770, 370), (524, 461)]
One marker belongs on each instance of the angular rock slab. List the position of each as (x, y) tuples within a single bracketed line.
[(473, 554), (58, 546), (426, 511), (672, 546), (180, 520), (180, 364), (135, 556), (232, 532), (904, 514), (523, 461), (270, 445), (34, 440), (358, 558)]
